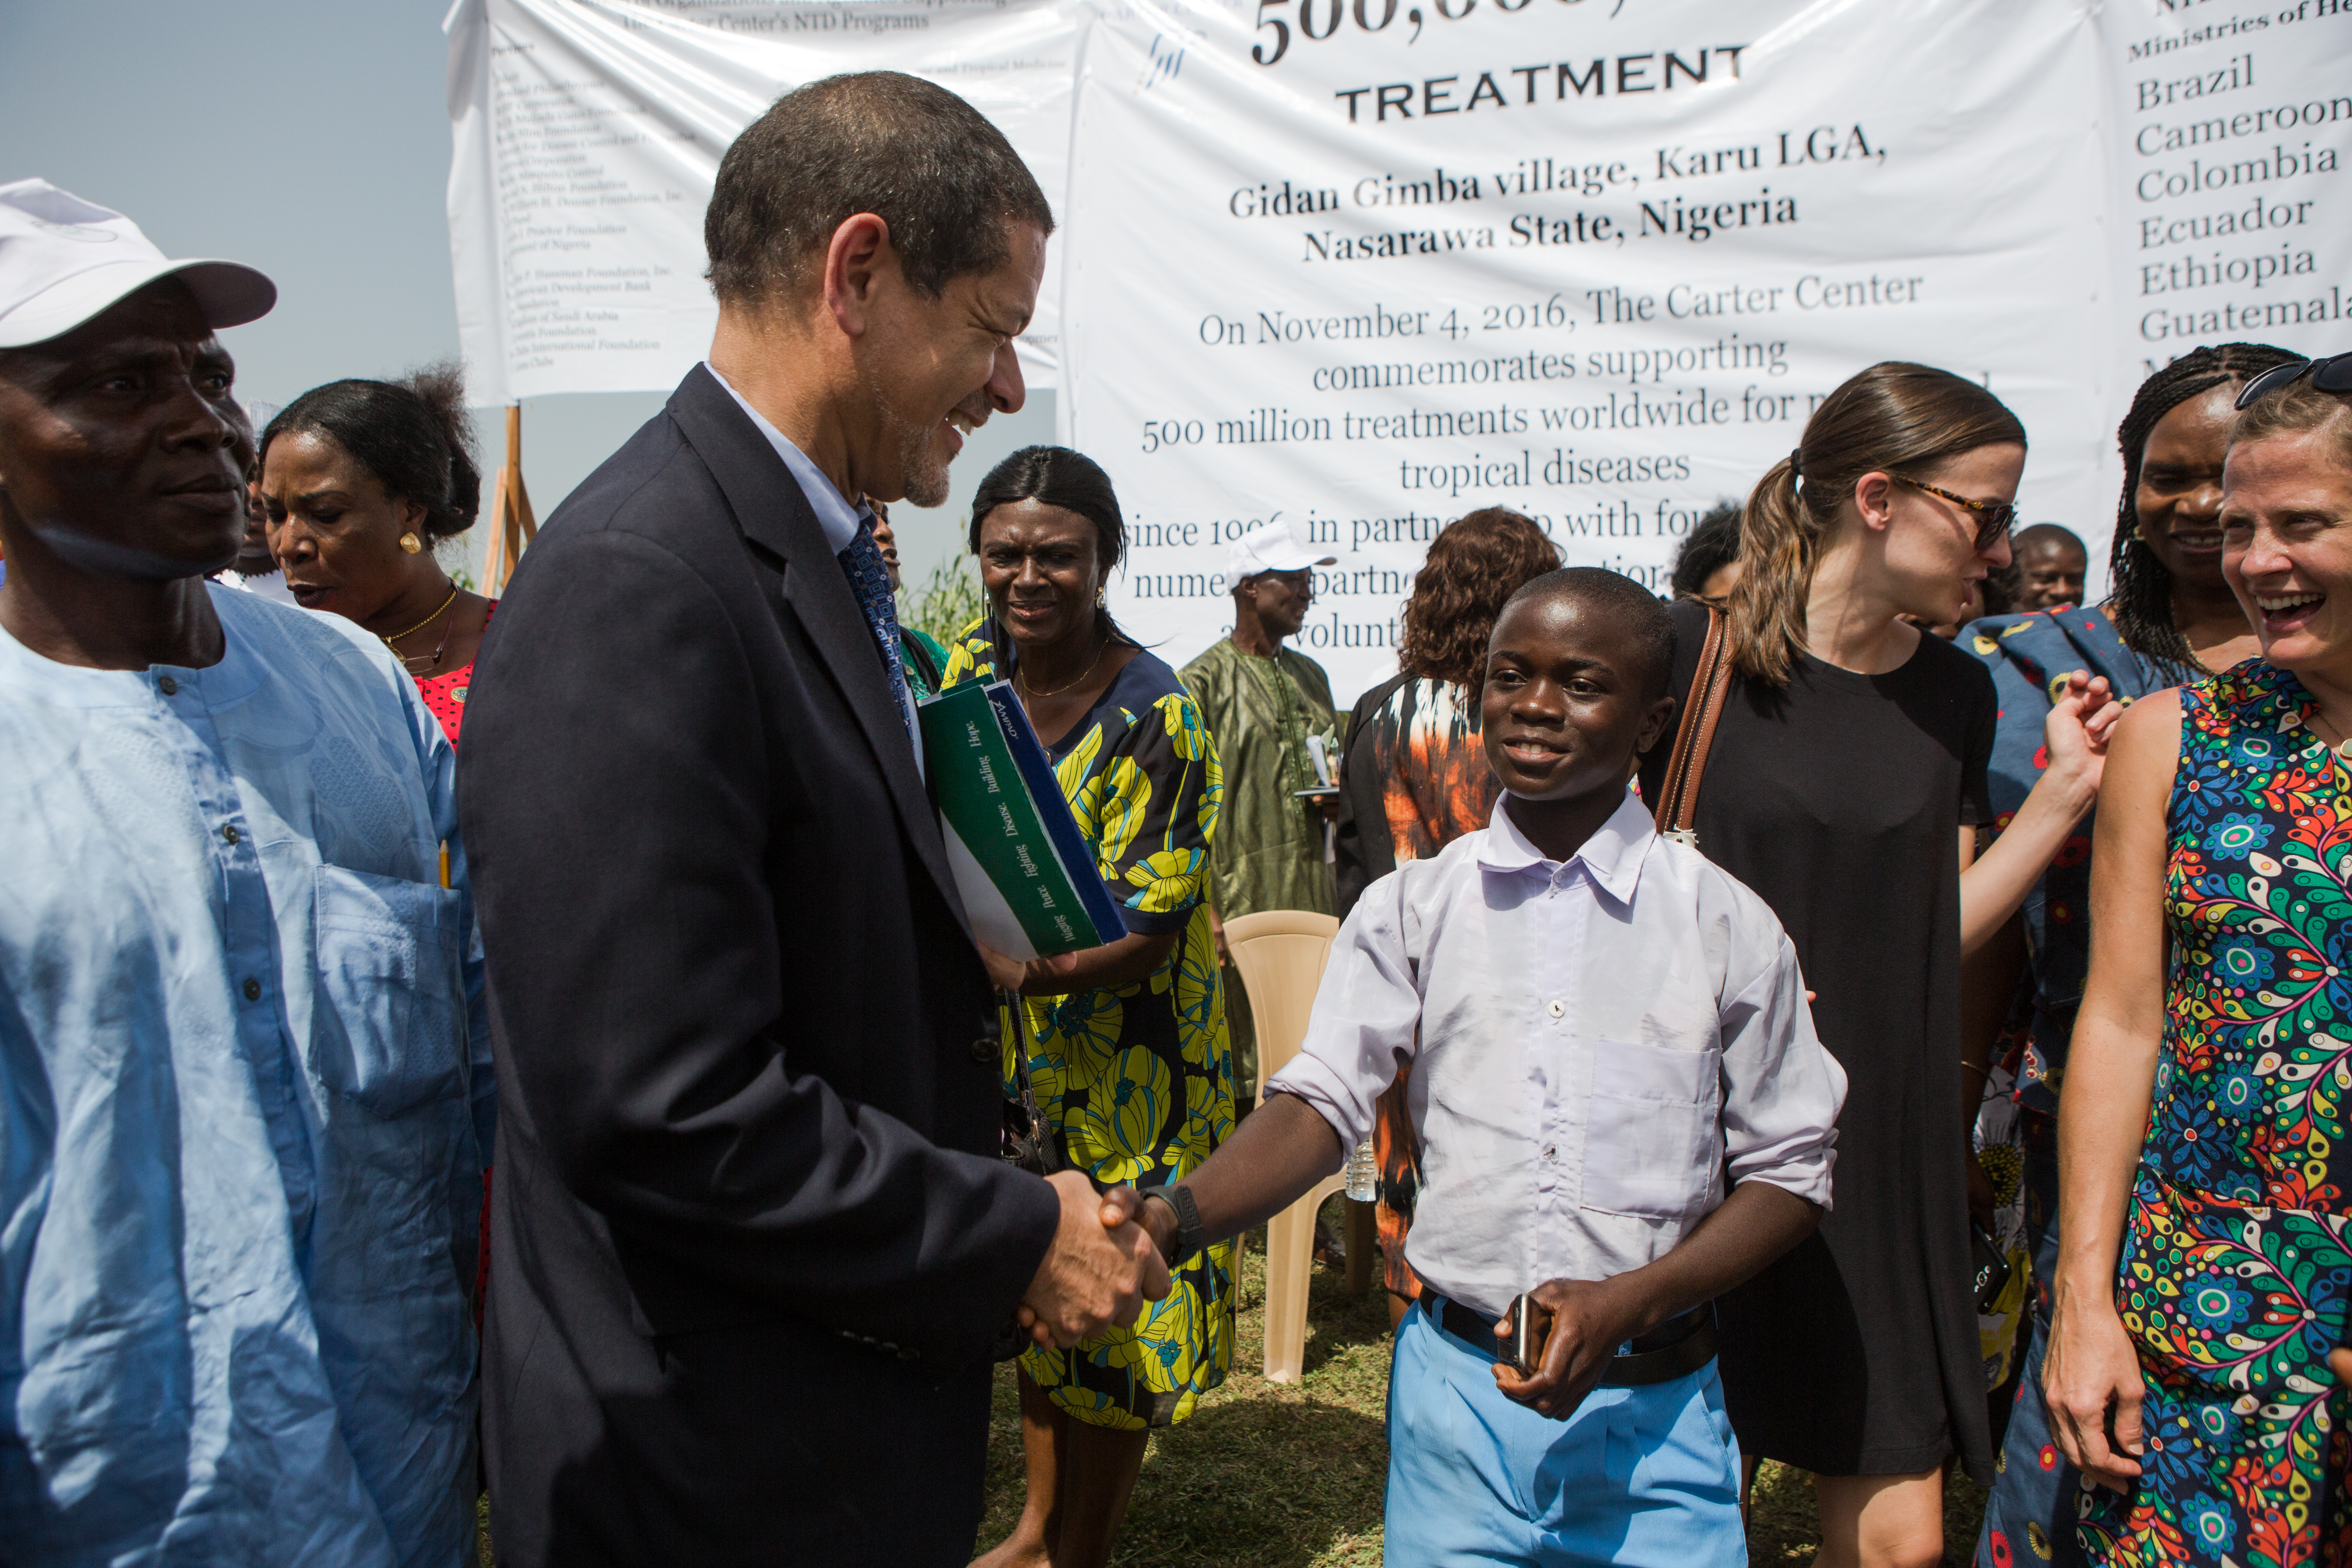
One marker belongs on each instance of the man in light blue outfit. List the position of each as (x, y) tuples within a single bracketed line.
[(242, 1115)]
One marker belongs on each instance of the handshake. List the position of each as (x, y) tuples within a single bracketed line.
[(1100, 1270)]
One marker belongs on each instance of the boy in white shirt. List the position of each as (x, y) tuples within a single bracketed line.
[(1599, 1022)]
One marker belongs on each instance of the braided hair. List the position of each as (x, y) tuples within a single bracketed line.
[(2139, 603)]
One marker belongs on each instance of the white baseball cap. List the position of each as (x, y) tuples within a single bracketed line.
[(1271, 547), (63, 261)]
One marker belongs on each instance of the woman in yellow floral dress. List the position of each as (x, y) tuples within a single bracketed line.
[(1127, 1048)]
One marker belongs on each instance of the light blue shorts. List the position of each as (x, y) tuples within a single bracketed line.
[(1648, 1477)]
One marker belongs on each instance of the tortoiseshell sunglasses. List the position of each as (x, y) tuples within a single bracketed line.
[(1994, 518)]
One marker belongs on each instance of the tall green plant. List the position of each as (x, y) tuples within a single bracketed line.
[(946, 603)]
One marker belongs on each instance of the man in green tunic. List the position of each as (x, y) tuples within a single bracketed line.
[(1265, 704)]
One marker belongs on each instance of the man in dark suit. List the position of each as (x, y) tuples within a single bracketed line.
[(752, 1247)]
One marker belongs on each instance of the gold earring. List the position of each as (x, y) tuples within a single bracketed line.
[(410, 542), (1099, 597)]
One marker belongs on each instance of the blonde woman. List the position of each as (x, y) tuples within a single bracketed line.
[(2204, 1274)]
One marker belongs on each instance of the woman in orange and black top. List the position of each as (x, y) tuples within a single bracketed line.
[(1416, 776)]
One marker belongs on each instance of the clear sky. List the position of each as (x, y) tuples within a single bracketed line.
[(310, 139)]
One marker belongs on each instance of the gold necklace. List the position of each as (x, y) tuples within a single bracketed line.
[(1022, 680), (435, 658)]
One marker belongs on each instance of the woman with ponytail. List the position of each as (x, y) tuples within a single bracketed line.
[(361, 480), (1845, 785)]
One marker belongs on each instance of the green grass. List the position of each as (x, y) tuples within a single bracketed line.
[(1268, 1475)]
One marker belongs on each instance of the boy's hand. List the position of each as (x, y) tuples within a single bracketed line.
[(1589, 1322)]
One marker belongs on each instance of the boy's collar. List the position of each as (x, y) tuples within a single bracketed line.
[(1613, 856)]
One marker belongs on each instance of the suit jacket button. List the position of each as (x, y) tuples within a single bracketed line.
[(986, 1052)]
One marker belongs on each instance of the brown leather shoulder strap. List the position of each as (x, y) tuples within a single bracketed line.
[(1677, 805)]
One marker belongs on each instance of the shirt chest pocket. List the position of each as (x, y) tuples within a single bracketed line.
[(388, 1014), (1650, 1133)]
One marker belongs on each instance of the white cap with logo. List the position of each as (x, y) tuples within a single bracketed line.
[(63, 261), (1271, 547)]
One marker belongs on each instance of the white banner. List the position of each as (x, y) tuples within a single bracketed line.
[(588, 133), (1364, 265), (2230, 128)]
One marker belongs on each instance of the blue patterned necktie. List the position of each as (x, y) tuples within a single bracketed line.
[(869, 579)]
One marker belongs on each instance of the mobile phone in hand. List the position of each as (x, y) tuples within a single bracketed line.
[(1528, 1323)]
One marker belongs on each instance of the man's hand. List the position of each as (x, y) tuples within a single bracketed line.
[(1589, 1322), (1100, 1270), (2092, 1373), (1217, 935)]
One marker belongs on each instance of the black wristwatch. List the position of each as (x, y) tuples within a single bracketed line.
[(1188, 1238)]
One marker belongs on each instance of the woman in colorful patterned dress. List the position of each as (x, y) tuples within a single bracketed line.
[(2203, 1270), (1126, 1043), (2170, 618)]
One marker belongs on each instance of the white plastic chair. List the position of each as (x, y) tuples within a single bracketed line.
[(1280, 954)]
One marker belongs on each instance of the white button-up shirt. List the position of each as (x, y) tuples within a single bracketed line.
[(1589, 1042)]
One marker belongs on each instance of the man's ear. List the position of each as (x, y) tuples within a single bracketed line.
[(856, 260)]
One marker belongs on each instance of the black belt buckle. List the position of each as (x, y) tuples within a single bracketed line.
[(1675, 1348)]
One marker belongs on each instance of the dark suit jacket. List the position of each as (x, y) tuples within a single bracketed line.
[(746, 1111)]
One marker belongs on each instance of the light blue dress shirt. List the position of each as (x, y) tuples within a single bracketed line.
[(836, 518), (239, 1042)]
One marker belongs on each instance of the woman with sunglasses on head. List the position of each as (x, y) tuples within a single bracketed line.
[(1845, 785), (2170, 618), (2205, 1134)]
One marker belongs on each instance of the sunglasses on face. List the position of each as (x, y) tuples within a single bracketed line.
[(2333, 374), (1994, 518)]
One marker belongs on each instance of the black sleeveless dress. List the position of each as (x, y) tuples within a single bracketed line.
[(1839, 801)]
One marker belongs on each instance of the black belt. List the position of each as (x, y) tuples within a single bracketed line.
[(1675, 1348)]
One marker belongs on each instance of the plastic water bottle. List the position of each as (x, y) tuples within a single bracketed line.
[(1364, 1174)]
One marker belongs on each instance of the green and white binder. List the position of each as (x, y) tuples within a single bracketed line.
[(1026, 874)]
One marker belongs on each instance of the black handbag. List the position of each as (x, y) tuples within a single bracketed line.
[(1025, 1142)]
